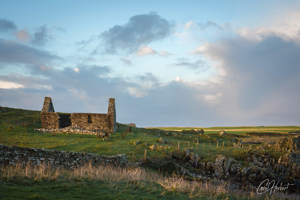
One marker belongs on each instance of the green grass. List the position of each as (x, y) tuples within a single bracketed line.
[(92, 144), (21, 188), (29, 189)]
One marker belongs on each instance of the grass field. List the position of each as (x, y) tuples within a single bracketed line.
[(22, 135)]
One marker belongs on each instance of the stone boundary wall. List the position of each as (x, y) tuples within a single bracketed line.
[(11, 155)]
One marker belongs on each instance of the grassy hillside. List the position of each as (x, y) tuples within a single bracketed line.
[(208, 146)]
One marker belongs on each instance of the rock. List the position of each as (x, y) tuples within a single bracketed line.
[(57, 158), (201, 132), (161, 141), (152, 147), (219, 166), (291, 143), (2, 109), (175, 134), (222, 133)]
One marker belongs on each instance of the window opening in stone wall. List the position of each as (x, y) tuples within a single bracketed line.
[(89, 119)]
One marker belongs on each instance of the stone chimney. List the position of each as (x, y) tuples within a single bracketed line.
[(112, 111), (48, 105)]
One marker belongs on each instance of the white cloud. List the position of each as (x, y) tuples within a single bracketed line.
[(10, 85), (188, 25), (213, 98), (136, 92), (145, 50), (179, 79), (76, 69)]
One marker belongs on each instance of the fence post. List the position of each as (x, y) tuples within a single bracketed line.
[(132, 156)]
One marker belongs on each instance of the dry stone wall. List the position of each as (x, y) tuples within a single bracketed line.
[(49, 120), (11, 155), (92, 121)]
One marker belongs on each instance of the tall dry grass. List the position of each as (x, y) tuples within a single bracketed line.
[(130, 175)]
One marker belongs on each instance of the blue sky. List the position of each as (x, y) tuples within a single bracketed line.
[(167, 63)]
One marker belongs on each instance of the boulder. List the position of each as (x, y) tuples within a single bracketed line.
[(152, 147), (222, 133), (160, 140)]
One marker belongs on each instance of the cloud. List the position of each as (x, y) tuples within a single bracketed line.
[(164, 53), (148, 77), (41, 36), (12, 52), (140, 30), (59, 29), (145, 50), (9, 85), (126, 61), (199, 64), (7, 25), (188, 25), (213, 98), (260, 77), (23, 35), (213, 24)]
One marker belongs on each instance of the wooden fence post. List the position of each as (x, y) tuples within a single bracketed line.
[(132, 156)]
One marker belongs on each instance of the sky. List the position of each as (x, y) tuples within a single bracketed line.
[(166, 63)]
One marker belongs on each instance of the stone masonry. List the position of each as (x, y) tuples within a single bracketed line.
[(12, 155), (88, 121)]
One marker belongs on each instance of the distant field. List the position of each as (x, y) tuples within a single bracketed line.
[(236, 128)]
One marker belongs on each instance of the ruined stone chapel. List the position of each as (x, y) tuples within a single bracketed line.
[(89, 121)]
